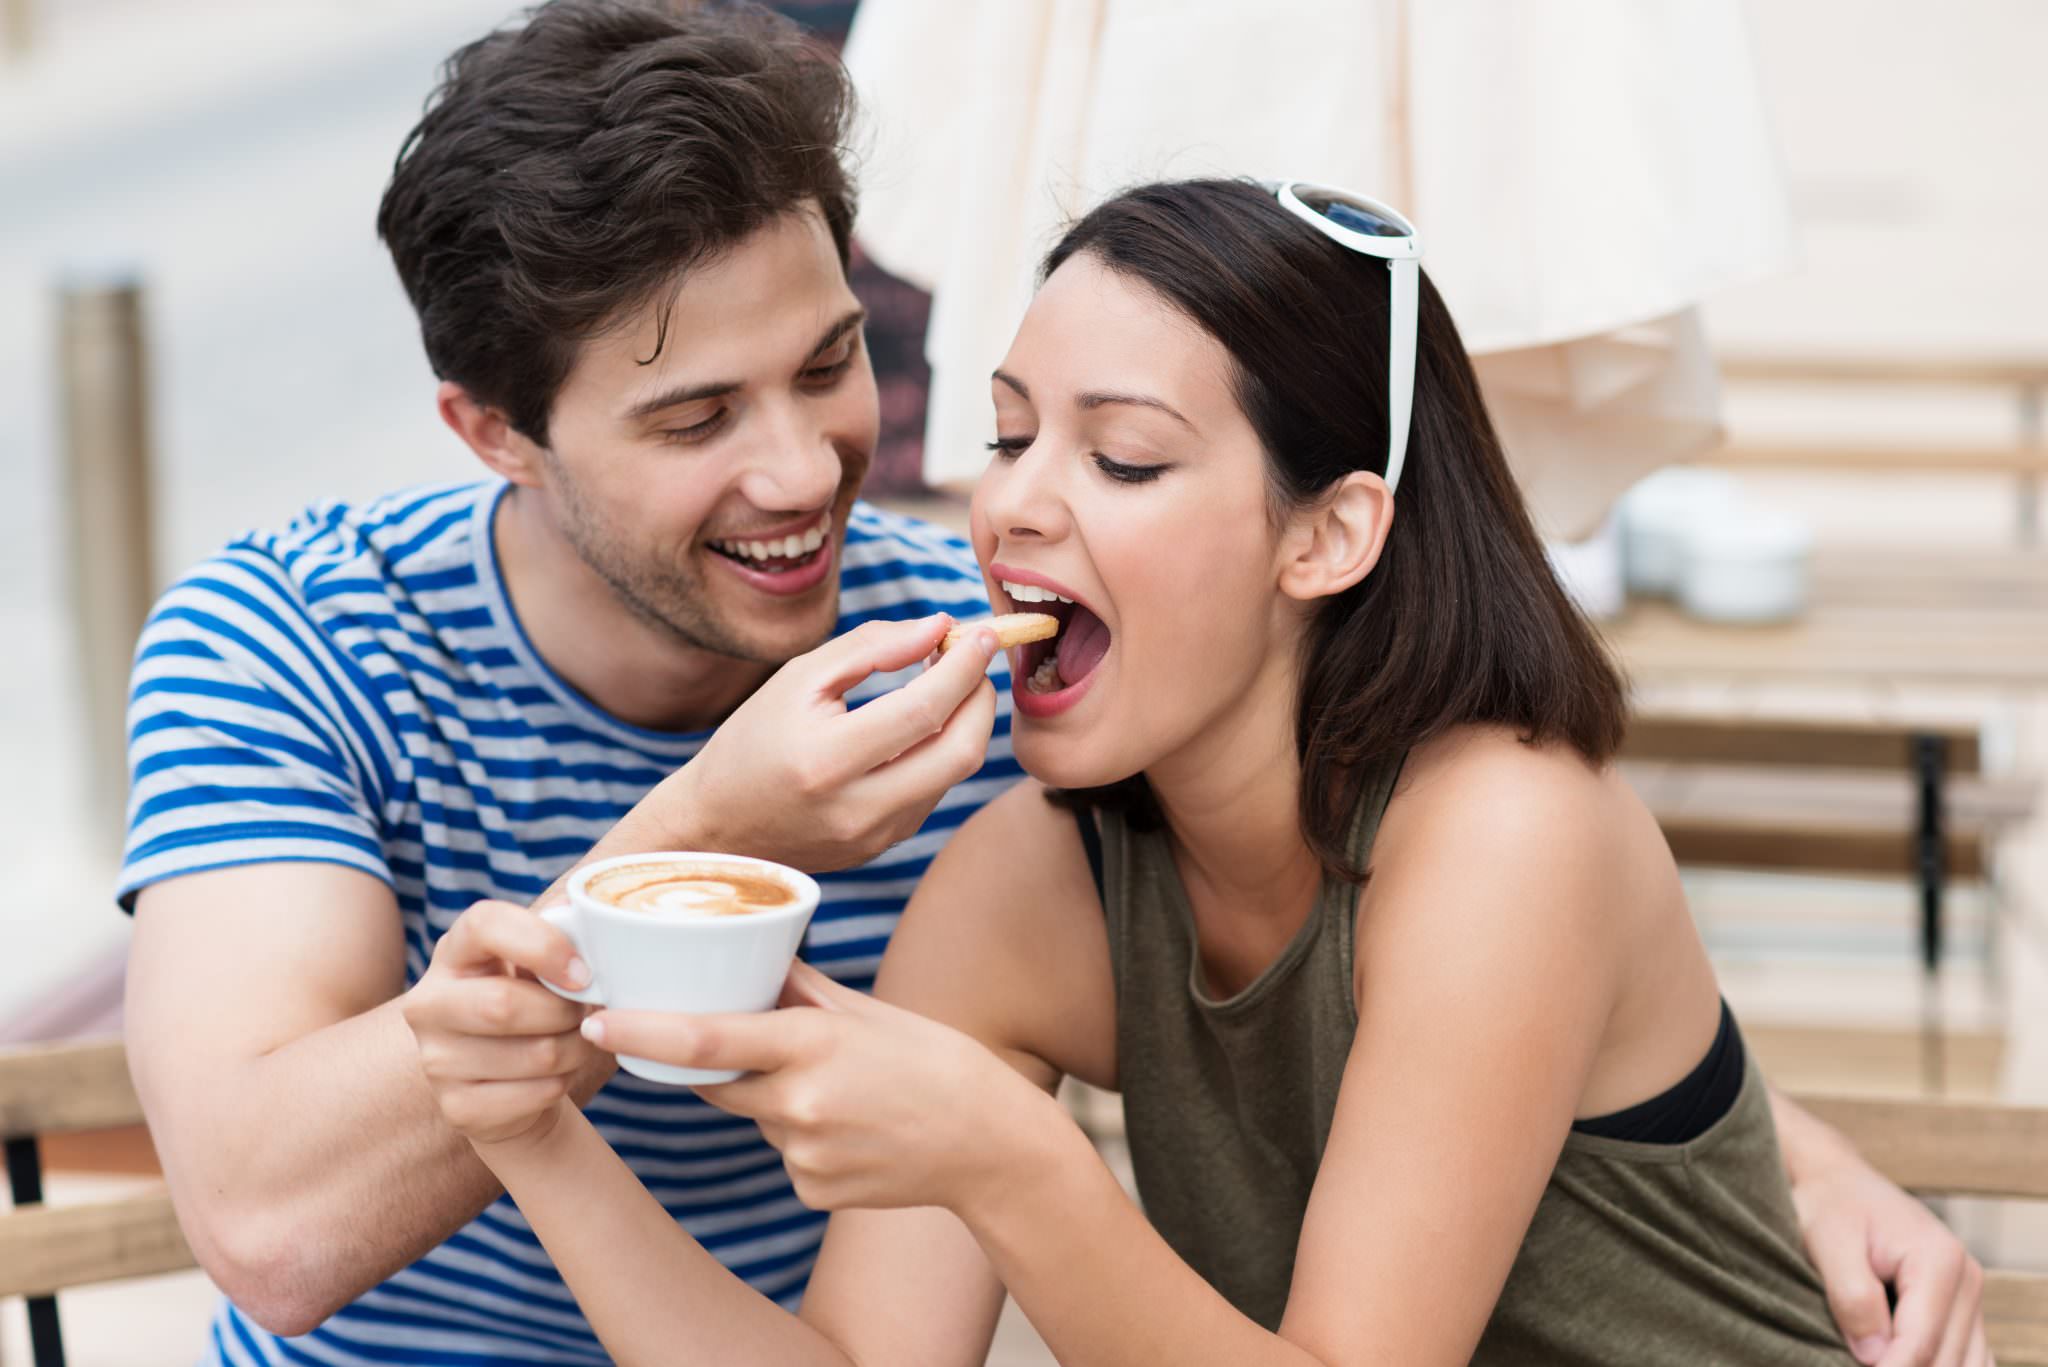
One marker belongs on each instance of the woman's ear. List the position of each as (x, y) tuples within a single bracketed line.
[(487, 432), (1335, 543)]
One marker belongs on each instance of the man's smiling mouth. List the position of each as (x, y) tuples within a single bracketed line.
[(781, 554)]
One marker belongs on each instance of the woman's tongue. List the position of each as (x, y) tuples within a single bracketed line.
[(1082, 643)]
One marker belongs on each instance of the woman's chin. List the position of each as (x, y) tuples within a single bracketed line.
[(1060, 761)]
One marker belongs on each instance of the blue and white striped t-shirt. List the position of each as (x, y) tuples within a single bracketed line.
[(355, 689)]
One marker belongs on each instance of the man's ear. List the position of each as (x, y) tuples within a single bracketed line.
[(1336, 542), (486, 431)]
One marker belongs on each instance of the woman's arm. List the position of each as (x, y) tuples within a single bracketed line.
[(650, 1291)]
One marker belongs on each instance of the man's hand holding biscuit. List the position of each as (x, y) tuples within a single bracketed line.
[(798, 777)]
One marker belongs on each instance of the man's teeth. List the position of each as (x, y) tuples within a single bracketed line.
[(1031, 593), (782, 548)]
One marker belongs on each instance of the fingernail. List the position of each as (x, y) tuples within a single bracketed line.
[(578, 974), (593, 1029), (1870, 1349), (985, 642)]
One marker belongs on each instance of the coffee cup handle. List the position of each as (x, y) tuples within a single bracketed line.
[(562, 916)]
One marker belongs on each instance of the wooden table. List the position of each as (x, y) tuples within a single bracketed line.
[(1911, 616)]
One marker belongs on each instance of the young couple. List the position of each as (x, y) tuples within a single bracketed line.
[(1321, 861)]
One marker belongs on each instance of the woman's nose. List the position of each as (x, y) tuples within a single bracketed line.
[(1022, 498)]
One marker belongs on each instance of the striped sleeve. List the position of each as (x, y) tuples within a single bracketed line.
[(251, 737)]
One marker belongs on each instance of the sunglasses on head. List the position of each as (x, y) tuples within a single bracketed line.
[(1368, 226)]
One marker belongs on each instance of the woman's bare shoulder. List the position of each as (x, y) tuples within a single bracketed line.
[(1489, 835)]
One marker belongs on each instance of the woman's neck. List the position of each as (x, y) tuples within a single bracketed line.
[(1232, 806)]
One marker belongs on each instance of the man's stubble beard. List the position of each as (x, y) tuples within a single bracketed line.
[(670, 601)]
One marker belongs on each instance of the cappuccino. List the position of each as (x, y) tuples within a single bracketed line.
[(688, 888)]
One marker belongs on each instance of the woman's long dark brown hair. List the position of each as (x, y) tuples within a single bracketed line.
[(1462, 620)]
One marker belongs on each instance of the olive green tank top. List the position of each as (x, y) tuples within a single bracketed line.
[(1639, 1254)]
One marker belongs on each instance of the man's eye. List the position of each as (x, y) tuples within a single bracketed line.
[(696, 431), (828, 373)]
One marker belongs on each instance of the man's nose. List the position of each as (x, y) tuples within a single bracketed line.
[(794, 465)]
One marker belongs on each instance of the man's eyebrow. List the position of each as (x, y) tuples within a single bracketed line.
[(1099, 398), (853, 319), (717, 389)]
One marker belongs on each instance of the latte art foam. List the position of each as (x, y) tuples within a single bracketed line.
[(689, 891)]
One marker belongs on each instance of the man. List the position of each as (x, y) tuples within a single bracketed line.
[(624, 231)]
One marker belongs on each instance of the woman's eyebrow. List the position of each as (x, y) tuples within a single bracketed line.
[(1097, 398)]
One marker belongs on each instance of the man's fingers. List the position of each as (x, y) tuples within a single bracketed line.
[(874, 647), (1964, 1318), (922, 773), (494, 933), (879, 730), (751, 1042), (1927, 1285), (500, 1005), (1841, 1254), (511, 1058)]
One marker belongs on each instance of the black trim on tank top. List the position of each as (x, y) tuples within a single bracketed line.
[(1690, 1107), (1091, 841)]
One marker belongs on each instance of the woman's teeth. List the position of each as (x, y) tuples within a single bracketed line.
[(1046, 678), (781, 548), (1031, 593)]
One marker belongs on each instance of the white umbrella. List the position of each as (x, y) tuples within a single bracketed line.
[(1583, 172)]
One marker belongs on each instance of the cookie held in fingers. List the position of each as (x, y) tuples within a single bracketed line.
[(1011, 629)]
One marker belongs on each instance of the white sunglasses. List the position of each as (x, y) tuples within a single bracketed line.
[(1368, 226)]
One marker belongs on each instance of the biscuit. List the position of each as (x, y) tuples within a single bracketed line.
[(1011, 629)]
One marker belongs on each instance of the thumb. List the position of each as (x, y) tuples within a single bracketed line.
[(874, 647), (806, 986), (1856, 1294)]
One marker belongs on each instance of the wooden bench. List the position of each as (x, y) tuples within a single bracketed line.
[(2024, 378), (1742, 793), (73, 1088), (1945, 1149)]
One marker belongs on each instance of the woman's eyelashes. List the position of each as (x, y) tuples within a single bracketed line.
[(1123, 472)]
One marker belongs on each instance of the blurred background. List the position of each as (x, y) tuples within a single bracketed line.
[(1845, 687)]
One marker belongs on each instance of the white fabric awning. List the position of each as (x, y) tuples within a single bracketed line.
[(1583, 173)]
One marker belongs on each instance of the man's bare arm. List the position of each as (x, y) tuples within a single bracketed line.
[(284, 1090), (304, 1149)]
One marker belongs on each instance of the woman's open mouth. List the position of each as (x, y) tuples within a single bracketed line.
[(1046, 670)]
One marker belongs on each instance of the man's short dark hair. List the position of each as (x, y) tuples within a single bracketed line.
[(567, 170)]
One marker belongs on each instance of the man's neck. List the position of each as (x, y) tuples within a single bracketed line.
[(624, 665)]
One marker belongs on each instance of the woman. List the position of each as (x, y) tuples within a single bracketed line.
[(1422, 1058)]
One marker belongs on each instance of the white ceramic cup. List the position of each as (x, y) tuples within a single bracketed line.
[(652, 960)]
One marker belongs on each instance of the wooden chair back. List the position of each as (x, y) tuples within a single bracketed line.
[(72, 1087)]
